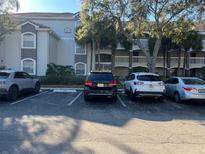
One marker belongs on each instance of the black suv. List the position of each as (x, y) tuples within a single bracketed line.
[(100, 84)]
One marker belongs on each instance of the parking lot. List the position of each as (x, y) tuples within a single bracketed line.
[(60, 121)]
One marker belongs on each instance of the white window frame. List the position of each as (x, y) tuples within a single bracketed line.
[(34, 63), (85, 65), (84, 47), (22, 35)]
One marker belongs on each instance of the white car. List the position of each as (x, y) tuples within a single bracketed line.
[(144, 84), (14, 82)]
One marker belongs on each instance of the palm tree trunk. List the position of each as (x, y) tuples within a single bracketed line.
[(164, 62), (184, 63), (113, 59), (98, 55), (130, 61), (179, 61)]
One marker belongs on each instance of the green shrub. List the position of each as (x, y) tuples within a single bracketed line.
[(140, 69), (58, 70), (61, 75)]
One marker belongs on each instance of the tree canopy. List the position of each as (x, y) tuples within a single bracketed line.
[(6, 8)]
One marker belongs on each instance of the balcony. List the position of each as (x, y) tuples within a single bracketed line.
[(104, 66), (123, 61)]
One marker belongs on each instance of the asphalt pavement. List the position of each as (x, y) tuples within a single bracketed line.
[(61, 122)]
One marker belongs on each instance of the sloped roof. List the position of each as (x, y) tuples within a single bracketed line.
[(41, 14), (35, 23)]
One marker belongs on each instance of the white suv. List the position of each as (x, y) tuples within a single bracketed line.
[(14, 82), (144, 84)]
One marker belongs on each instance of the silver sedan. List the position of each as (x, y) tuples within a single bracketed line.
[(185, 88)]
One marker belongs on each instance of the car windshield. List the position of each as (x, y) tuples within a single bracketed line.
[(4, 75), (148, 78), (101, 77), (193, 81)]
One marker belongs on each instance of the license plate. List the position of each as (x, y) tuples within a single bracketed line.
[(201, 90), (151, 86), (100, 85)]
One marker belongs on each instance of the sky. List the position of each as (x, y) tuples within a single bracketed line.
[(72, 6)]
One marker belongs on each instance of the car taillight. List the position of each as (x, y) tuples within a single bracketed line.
[(188, 88), (138, 83), (161, 83), (113, 83), (88, 83)]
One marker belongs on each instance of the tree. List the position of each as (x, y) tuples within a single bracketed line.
[(138, 16), (6, 7), (95, 28), (192, 41)]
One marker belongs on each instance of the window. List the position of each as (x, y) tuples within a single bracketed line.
[(80, 69), (29, 66), (28, 40), (131, 77), (172, 81), (80, 49), (101, 77), (4, 75), (19, 75), (148, 78)]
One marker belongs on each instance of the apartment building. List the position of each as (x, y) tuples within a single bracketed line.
[(40, 39), (43, 38)]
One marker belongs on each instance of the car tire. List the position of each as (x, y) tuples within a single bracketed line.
[(86, 98), (114, 98), (126, 91), (177, 98), (161, 98), (37, 87), (132, 96), (13, 93)]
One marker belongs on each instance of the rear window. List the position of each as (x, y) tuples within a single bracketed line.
[(4, 75), (100, 77), (148, 78), (193, 81)]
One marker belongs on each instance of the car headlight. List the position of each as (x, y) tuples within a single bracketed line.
[(2, 82)]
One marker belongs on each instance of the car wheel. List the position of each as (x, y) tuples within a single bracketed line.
[(114, 98), (13, 93), (86, 98), (126, 91), (161, 98), (132, 96), (177, 98), (37, 87)]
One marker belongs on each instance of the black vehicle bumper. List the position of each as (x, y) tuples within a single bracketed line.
[(100, 92)]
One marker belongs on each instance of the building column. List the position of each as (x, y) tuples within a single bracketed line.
[(188, 64), (168, 63), (130, 61), (93, 59)]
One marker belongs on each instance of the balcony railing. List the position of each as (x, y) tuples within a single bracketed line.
[(123, 61), (104, 66)]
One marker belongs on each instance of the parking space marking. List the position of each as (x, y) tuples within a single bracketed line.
[(176, 105), (14, 103), (73, 101), (64, 91), (121, 101)]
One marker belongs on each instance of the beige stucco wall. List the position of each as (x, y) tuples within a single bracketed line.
[(42, 52), (13, 50), (53, 49)]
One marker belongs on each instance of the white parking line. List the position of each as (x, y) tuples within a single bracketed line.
[(28, 98), (176, 105), (121, 101), (69, 104)]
